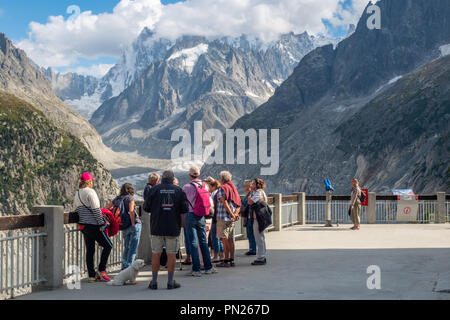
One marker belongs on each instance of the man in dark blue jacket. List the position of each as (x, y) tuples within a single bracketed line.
[(167, 204)]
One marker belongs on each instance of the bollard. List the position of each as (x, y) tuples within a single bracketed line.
[(371, 213), (440, 215), (328, 209), (301, 209), (52, 249), (278, 202)]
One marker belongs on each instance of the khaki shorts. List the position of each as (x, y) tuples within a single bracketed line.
[(172, 244), (225, 229)]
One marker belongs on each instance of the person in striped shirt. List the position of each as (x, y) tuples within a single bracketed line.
[(92, 226)]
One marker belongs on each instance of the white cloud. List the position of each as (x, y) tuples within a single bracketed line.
[(60, 42), (264, 18), (96, 70)]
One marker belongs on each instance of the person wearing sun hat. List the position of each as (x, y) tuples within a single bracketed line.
[(91, 224)]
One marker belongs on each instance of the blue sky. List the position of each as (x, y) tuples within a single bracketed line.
[(100, 36), (15, 15)]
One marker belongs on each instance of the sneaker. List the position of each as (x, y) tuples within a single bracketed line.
[(153, 285), (173, 285), (232, 264), (250, 253), (211, 271), (195, 274), (92, 280), (102, 276), (259, 262)]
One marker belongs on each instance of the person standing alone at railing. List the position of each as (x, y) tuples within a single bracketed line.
[(355, 204), (92, 226)]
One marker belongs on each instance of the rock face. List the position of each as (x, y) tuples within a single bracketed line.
[(336, 96), (72, 88), (45, 144), (40, 164), (20, 77), (215, 81)]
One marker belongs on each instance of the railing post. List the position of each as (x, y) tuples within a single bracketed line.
[(441, 212), (371, 213), (145, 243), (277, 202), (301, 208), (51, 250), (328, 209)]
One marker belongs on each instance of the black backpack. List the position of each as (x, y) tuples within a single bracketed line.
[(363, 197)]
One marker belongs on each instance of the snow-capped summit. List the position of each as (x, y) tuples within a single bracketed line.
[(281, 57)]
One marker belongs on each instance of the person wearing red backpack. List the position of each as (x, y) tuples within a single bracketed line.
[(199, 204), (124, 208)]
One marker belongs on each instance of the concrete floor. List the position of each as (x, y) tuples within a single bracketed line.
[(310, 262)]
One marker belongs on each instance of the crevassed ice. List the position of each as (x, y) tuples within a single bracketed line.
[(445, 50), (190, 56)]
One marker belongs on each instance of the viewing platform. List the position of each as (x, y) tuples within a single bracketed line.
[(306, 259), (308, 262)]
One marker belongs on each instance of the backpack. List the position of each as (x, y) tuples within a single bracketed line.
[(113, 228), (121, 215), (202, 201), (163, 258), (363, 197)]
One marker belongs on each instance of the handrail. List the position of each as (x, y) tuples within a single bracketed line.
[(36, 221)]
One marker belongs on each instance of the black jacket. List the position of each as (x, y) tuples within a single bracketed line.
[(263, 214), (166, 203)]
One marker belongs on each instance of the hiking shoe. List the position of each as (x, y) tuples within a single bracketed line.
[(173, 285), (153, 285), (195, 274), (250, 253), (259, 262), (223, 264), (102, 276), (211, 271), (92, 280)]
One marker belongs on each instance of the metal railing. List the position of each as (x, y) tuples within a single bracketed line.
[(289, 215), (447, 205), (19, 262), (75, 252)]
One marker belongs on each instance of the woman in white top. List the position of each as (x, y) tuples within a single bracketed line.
[(92, 226), (258, 194)]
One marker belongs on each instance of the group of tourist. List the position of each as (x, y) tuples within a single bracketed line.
[(207, 210)]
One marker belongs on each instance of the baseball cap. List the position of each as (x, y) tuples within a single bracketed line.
[(86, 177)]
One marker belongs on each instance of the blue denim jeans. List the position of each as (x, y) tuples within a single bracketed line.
[(186, 243), (216, 243), (131, 237), (196, 228), (251, 237)]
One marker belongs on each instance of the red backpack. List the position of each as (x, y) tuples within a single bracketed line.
[(202, 202), (113, 228)]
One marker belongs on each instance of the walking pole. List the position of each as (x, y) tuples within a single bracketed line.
[(112, 246)]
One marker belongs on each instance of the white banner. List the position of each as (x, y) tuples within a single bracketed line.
[(407, 210)]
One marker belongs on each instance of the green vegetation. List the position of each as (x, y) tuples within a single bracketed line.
[(35, 157)]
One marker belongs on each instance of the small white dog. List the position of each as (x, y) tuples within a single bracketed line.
[(129, 274)]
